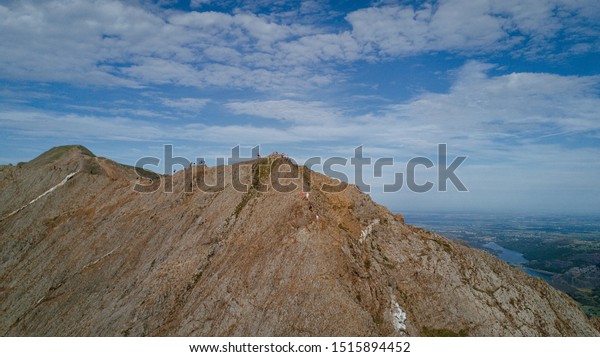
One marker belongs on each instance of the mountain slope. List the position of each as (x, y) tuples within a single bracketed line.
[(94, 257)]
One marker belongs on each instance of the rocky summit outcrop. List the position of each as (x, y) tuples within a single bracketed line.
[(84, 253)]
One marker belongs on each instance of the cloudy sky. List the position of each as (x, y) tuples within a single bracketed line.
[(513, 85)]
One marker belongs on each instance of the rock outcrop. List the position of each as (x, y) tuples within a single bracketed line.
[(94, 257)]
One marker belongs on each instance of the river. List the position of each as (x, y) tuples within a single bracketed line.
[(515, 258)]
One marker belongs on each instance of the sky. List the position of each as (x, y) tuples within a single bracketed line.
[(511, 85)]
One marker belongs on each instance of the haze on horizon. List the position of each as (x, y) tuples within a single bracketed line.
[(513, 85)]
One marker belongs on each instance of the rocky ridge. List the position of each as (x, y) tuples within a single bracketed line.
[(93, 257)]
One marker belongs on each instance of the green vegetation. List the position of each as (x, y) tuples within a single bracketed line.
[(94, 168), (264, 171), (551, 243), (260, 173), (556, 255), (245, 199), (589, 299)]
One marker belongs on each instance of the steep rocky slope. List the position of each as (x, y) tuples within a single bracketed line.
[(91, 256)]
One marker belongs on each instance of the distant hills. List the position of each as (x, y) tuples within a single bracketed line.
[(83, 253)]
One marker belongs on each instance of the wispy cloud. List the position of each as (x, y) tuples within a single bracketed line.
[(111, 45), (475, 114), (522, 105), (475, 26), (186, 104), (301, 113), (195, 4)]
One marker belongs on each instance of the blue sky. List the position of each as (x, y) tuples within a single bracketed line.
[(513, 85)]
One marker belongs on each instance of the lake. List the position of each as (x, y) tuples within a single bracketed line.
[(514, 257), (509, 256)]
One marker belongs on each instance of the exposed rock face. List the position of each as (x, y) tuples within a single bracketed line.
[(94, 257)]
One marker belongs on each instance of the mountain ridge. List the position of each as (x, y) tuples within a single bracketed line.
[(95, 258)]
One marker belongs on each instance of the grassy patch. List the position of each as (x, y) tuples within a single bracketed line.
[(245, 199), (589, 299)]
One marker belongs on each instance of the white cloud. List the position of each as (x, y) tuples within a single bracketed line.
[(109, 43), (470, 25), (195, 4), (405, 30), (118, 111), (125, 44), (512, 105), (223, 54), (302, 113), (46, 124), (477, 113), (55, 41), (187, 104), (321, 47), (56, 125), (238, 29), (161, 71)]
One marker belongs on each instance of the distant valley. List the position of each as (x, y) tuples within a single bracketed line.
[(563, 250)]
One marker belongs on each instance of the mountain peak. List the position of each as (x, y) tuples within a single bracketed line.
[(255, 261), (59, 152)]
